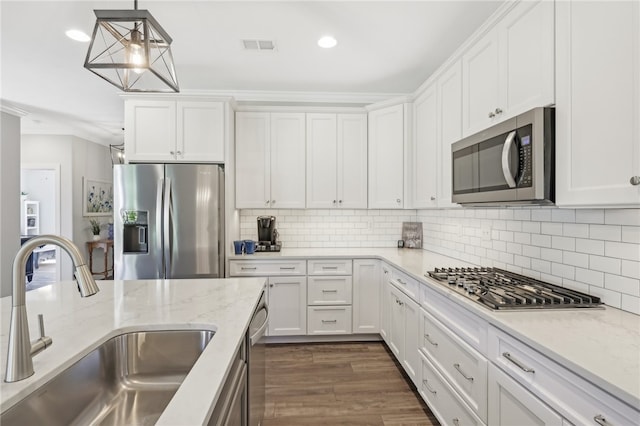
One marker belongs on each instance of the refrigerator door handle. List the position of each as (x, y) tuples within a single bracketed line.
[(159, 188), (167, 227)]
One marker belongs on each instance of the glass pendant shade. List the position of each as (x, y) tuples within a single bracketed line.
[(132, 51)]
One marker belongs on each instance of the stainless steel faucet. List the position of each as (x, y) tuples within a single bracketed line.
[(21, 348)]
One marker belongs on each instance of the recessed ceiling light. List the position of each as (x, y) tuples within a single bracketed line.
[(77, 35), (327, 42)]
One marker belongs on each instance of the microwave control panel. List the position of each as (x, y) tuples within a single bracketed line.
[(526, 159)]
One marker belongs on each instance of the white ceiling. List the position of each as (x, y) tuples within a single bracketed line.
[(384, 48)]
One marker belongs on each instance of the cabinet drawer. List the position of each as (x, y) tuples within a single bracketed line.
[(575, 398), (329, 320), (406, 284), (463, 323), (244, 268), (464, 367), (329, 290), (330, 267), (442, 400)]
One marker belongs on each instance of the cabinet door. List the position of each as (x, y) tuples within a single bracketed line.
[(526, 39), (411, 358), (386, 158), (511, 404), (150, 130), (598, 103), (287, 306), (322, 167), (252, 160), (385, 304), (352, 161), (396, 323), (425, 140), (288, 160), (480, 84), (200, 131), (366, 296), (449, 129)]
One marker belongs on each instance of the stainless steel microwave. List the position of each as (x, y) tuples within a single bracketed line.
[(510, 163)]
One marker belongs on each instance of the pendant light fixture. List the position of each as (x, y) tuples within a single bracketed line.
[(130, 50)]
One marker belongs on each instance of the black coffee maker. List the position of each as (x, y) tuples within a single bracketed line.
[(267, 234)]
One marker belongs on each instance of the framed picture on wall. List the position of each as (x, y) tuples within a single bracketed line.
[(97, 199)]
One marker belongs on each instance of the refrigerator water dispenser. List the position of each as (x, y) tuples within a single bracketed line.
[(135, 232)]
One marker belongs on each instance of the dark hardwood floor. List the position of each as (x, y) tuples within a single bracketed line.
[(339, 384)]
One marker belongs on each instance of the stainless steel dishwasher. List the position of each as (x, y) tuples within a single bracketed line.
[(241, 401), (257, 359)]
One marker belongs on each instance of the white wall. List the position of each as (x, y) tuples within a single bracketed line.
[(40, 184), (77, 158), (9, 197)]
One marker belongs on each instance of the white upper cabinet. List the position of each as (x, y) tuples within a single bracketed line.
[(174, 131), (598, 104), (510, 69), (336, 160), (450, 127), (386, 157), (425, 149), (270, 160)]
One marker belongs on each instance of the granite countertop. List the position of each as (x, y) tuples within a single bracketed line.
[(77, 325), (601, 345)]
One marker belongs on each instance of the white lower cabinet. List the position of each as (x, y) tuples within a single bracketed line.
[(287, 306), (442, 399), (511, 404), (329, 290), (464, 367), (385, 304), (366, 296), (403, 332), (329, 320)]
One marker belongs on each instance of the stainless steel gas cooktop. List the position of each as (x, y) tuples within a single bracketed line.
[(502, 290)]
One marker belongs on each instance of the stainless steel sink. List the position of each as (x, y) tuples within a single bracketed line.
[(128, 380)]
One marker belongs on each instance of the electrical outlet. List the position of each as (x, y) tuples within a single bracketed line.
[(486, 233)]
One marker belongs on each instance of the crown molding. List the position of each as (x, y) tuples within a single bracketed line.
[(11, 109)]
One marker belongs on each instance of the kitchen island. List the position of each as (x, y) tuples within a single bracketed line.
[(78, 325)]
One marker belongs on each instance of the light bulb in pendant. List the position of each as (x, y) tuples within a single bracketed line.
[(136, 54)]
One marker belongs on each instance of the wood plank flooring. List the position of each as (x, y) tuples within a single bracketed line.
[(339, 384)]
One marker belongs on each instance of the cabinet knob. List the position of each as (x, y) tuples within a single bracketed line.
[(270, 285), (172, 152), (491, 114), (267, 202), (498, 111), (398, 200), (339, 201), (433, 198), (334, 201), (635, 180), (273, 202), (179, 153)]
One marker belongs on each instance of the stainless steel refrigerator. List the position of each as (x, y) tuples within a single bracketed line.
[(168, 221)]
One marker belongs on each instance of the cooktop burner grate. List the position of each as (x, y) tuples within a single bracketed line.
[(503, 290)]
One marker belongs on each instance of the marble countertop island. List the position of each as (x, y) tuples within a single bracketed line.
[(77, 325)]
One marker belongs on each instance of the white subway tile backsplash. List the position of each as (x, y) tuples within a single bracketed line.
[(611, 298), (540, 240), (522, 237), (579, 230), (541, 215), (563, 243), (622, 284), (605, 264), (531, 251), (605, 232), (575, 259), (631, 269), (594, 278), (551, 228), (631, 234), (531, 227), (630, 304), (521, 214), (590, 246), (563, 215), (552, 255), (622, 217), (626, 251), (541, 265), (590, 216), (562, 270)]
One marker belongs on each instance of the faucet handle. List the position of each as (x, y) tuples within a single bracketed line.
[(41, 325)]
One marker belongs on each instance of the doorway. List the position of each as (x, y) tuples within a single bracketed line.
[(40, 214)]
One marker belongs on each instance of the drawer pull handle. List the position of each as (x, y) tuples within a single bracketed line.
[(287, 268), (520, 365), (246, 268), (457, 367), (456, 421), (401, 282), (330, 267), (329, 321), (426, 336), (425, 382), (329, 291), (601, 420)]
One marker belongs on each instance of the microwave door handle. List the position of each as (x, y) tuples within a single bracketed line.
[(506, 168)]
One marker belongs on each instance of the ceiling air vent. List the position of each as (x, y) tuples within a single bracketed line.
[(259, 44)]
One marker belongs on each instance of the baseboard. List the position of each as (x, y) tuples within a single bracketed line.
[(322, 339)]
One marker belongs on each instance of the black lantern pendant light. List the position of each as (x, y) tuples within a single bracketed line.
[(132, 51)]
